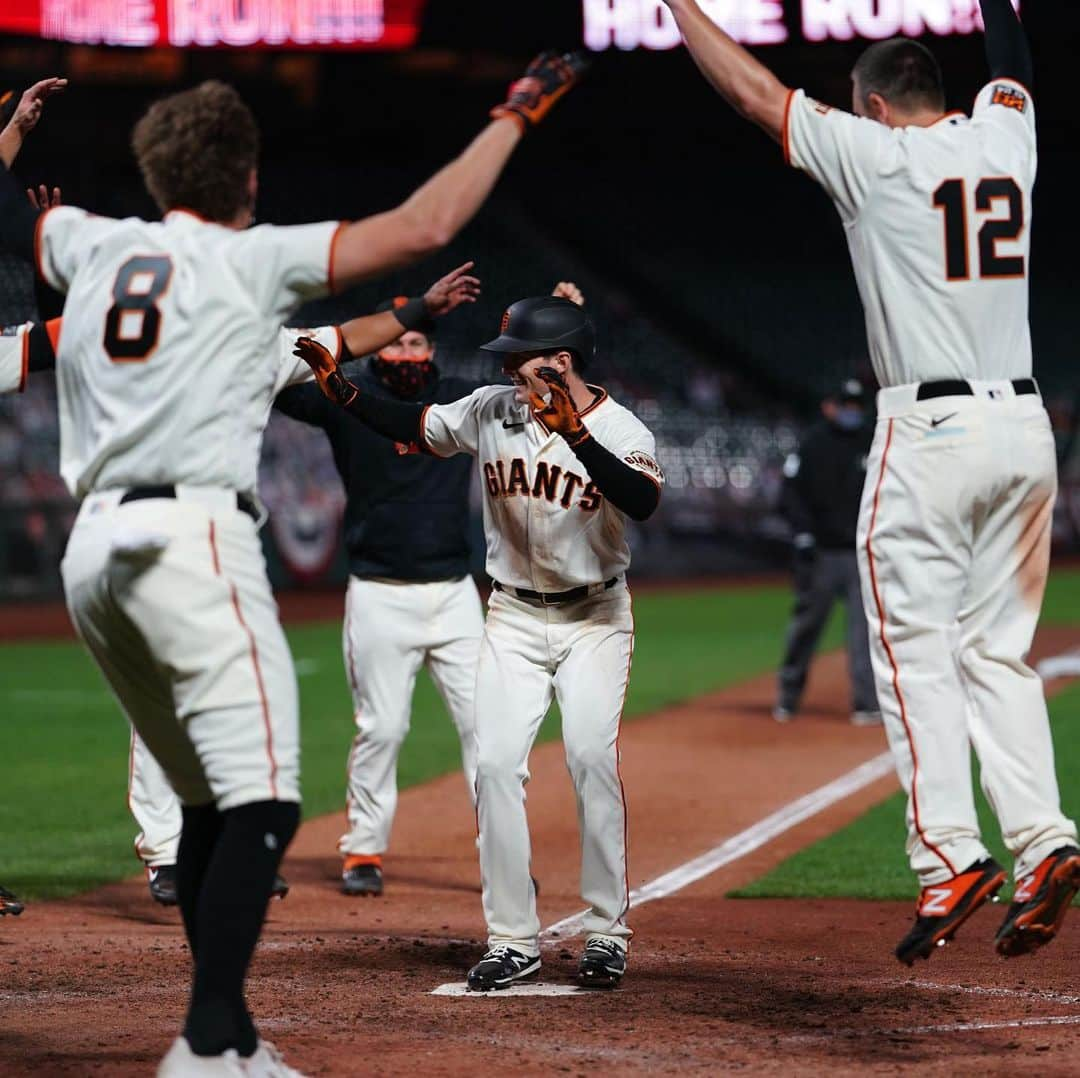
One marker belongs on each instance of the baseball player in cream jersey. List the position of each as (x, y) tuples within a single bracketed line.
[(954, 531), (562, 466), (166, 370)]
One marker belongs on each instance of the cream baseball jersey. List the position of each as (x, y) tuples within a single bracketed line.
[(548, 528), (14, 355), (170, 353), (938, 222)]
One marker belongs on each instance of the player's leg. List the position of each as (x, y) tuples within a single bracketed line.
[(513, 693), (914, 551), (383, 644), (860, 669), (596, 642), (1009, 725), (457, 629), (156, 809), (814, 594)]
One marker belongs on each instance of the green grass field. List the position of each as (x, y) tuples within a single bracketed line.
[(63, 773)]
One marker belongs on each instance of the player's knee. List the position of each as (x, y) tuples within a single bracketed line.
[(590, 757), (498, 766)]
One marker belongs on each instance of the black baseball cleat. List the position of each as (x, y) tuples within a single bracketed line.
[(602, 964), (363, 879), (280, 888), (9, 903), (161, 879), (944, 907), (500, 968), (1039, 906)]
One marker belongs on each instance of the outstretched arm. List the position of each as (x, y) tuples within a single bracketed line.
[(437, 211), (1007, 49), (25, 117), (747, 85)]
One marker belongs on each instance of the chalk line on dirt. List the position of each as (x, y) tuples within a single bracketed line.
[(731, 849)]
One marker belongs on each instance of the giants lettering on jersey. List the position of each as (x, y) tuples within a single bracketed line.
[(551, 482), (1010, 97)]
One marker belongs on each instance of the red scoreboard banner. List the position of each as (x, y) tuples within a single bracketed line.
[(347, 24)]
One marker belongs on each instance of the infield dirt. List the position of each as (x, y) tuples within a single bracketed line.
[(97, 985)]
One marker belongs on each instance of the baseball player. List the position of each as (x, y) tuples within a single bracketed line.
[(166, 370), (954, 530), (392, 528), (562, 465)]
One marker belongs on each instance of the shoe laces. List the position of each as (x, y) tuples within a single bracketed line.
[(268, 1062), (503, 950), (608, 946)]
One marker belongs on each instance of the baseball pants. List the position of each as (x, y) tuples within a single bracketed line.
[(392, 628), (579, 653), (155, 807), (954, 548), (172, 599), (831, 575)]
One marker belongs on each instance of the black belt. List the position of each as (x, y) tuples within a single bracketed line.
[(957, 387), (167, 490), (554, 598)]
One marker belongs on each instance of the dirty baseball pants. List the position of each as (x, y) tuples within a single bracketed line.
[(954, 548), (828, 576), (579, 653), (392, 629)]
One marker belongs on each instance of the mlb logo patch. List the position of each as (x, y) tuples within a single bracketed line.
[(1010, 97), (819, 107), (505, 322)]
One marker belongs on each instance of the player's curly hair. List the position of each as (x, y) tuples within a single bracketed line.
[(196, 150), (904, 72)]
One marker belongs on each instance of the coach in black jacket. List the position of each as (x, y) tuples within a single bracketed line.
[(823, 484)]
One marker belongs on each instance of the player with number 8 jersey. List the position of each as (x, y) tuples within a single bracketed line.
[(954, 527)]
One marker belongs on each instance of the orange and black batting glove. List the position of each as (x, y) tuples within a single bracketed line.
[(558, 414), (546, 79), (332, 382)]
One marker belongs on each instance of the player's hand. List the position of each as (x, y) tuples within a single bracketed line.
[(558, 413), (32, 103), (332, 382), (547, 78), (569, 290), (41, 200), (456, 288)]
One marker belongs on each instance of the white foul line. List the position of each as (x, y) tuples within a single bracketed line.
[(744, 842)]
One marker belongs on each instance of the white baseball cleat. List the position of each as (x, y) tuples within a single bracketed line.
[(181, 1062), (267, 1062)]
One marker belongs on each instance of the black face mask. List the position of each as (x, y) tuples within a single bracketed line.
[(405, 378)]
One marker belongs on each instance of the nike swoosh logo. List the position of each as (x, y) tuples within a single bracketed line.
[(508, 424), (935, 423)]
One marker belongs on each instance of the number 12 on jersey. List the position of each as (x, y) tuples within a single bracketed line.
[(951, 199)]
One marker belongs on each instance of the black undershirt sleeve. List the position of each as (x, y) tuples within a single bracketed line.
[(391, 419), (42, 357), (17, 218), (626, 488), (1007, 49)]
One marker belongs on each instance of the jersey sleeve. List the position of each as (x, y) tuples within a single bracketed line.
[(455, 427), (840, 151), (292, 370), (1006, 106), (285, 266), (634, 444), (63, 239), (14, 357)]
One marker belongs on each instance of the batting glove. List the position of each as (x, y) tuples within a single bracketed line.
[(558, 414), (332, 382), (546, 79)]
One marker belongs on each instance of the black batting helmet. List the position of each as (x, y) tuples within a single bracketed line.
[(546, 324)]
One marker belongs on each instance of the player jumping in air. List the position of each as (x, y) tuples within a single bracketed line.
[(562, 466), (166, 369), (954, 531)]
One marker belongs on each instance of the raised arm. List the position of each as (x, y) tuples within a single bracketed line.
[(437, 211), (1007, 49), (25, 117), (368, 334), (747, 85)]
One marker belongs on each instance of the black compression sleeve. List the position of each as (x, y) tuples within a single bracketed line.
[(391, 419), (1007, 49), (626, 488), (42, 356), (17, 218)]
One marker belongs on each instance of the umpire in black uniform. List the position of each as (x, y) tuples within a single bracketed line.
[(823, 483)]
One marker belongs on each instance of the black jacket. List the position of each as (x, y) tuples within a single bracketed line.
[(406, 516), (823, 484)]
